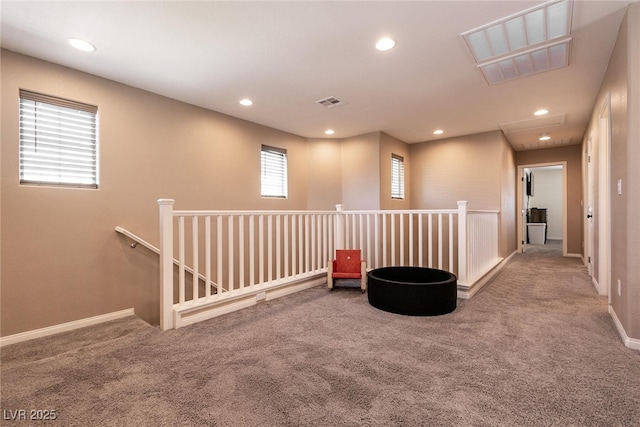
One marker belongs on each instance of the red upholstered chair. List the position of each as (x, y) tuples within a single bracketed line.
[(347, 265)]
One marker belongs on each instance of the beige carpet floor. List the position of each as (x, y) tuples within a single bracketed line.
[(536, 347)]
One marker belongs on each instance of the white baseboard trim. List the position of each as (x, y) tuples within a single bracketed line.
[(468, 292), (632, 343), (573, 255), (188, 316), (64, 327)]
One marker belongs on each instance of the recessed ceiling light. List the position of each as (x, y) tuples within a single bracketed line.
[(329, 132), (246, 102), (385, 43), (544, 138), (438, 132), (541, 112), (82, 45)]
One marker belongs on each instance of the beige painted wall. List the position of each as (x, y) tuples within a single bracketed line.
[(325, 189), (476, 168), (573, 156), (622, 84), (464, 168), (61, 258), (361, 172), (63, 261), (508, 232), (388, 146)]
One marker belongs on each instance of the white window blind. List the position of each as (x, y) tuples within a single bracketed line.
[(274, 172), (397, 177), (58, 141)]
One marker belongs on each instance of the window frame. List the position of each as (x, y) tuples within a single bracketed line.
[(397, 177), (67, 132), (277, 158)]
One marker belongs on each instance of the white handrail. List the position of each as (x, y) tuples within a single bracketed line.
[(137, 239), (152, 248)]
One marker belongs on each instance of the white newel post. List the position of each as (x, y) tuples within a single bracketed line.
[(166, 263), (462, 242), (339, 228)]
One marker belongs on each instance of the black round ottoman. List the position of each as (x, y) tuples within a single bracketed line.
[(415, 291)]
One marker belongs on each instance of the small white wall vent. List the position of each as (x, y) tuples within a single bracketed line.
[(331, 102)]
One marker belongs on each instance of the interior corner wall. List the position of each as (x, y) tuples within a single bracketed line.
[(61, 258), (361, 172), (325, 174), (508, 234), (388, 146)]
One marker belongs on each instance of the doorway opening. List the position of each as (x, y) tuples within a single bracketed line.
[(542, 202)]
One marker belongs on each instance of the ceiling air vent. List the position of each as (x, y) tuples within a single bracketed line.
[(532, 124), (331, 102)]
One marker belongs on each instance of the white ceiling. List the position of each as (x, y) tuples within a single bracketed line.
[(287, 55)]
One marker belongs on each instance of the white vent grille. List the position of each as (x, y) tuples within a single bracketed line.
[(527, 43), (331, 102)]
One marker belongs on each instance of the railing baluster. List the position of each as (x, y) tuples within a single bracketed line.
[(369, 259), (325, 250), (278, 248), (411, 239), (286, 245), (377, 239), (294, 245), (181, 269), (401, 238), (420, 239), (440, 241), (361, 232), (230, 252), (301, 243), (451, 243), (194, 245), (219, 253), (207, 256), (260, 249), (252, 251), (241, 251), (393, 239), (313, 243), (430, 241), (306, 244), (269, 248)]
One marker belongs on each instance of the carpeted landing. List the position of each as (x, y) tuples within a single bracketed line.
[(535, 347)]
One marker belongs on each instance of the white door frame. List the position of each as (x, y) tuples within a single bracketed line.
[(588, 207), (604, 199), (521, 194)]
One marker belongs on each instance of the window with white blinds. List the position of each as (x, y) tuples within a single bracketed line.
[(397, 177), (274, 172), (58, 141)]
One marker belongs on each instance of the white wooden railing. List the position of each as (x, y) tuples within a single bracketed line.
[(227, 260)]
